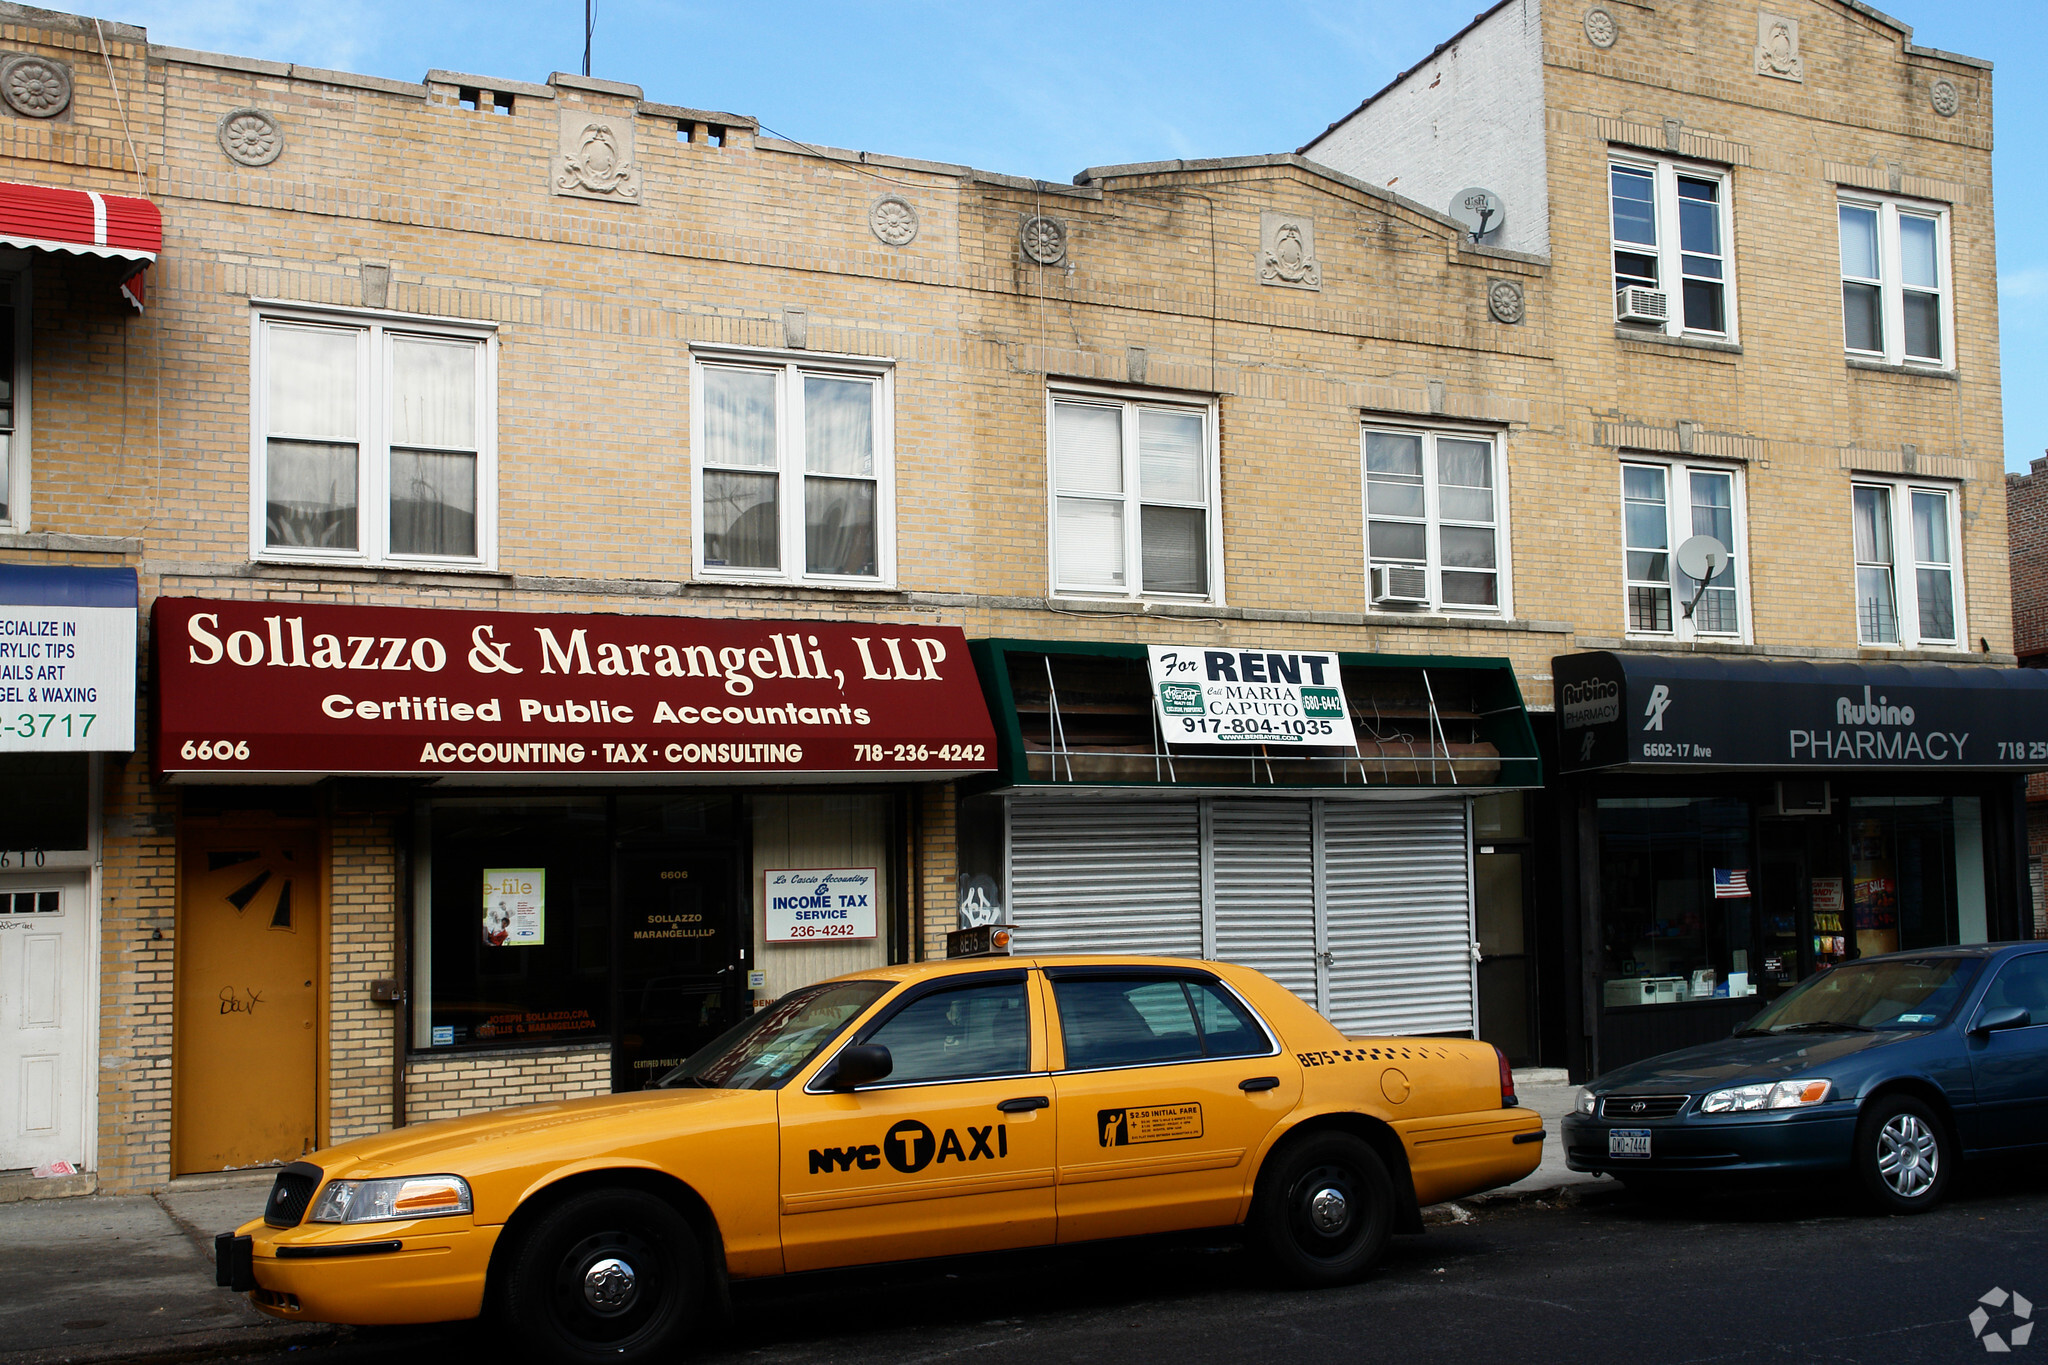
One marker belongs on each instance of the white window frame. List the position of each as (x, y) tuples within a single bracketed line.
[(1432, 514), (19, 484), (1670, 263), (1891, 279), (1132, 401), (790, 367), (1678, 494), (1905, 564), (373, 464)]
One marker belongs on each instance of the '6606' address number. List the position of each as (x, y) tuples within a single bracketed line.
[(214, 750)]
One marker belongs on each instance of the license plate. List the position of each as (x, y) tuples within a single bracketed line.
[(1628, 1142)]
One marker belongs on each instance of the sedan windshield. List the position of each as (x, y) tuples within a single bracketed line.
[(1896, 993), (767, 1049)]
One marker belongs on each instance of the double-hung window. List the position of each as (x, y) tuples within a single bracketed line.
[(1133, 496), (1433, 520), (1671, 234), (1895, 281), (13, 405), (375, 440), (1663, 506), (793, 465), (1907, 593)]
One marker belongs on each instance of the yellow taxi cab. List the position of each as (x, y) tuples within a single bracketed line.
[(914, 1111)]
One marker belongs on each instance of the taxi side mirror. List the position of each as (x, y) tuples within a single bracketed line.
[(2008, 1016), (861, 1064)]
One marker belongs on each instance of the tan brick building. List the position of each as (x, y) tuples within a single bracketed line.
[(428, 365)]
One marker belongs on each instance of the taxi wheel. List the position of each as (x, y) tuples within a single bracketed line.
[(609, 1275), (1323, 1209), (1904, 1155)]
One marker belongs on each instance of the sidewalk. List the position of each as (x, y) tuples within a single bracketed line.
[(106, 1278)]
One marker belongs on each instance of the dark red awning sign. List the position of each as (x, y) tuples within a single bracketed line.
[(280, 689)]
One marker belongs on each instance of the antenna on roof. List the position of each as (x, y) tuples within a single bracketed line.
[(589, 23)]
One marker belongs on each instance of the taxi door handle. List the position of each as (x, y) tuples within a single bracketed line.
[(1257, 1083), (1025, 1104)]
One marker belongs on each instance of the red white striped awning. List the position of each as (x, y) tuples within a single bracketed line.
[(83, 222)]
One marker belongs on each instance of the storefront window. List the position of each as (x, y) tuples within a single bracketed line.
[(1916, 872), (1674, 877), (514, 945)]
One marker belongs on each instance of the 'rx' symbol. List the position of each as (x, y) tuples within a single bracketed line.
[(1660, 701)]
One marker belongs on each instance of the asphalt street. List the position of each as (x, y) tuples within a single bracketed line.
[(1764, 1276)]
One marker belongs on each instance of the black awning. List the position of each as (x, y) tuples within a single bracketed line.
[(1661, 711)]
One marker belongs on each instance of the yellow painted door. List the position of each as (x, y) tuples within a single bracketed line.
[(953, 1152), (1167, 1092), (249, 924)]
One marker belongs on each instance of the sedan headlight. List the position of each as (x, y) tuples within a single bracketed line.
[(1767, 1095), (377, 1201), (1586, 1101)]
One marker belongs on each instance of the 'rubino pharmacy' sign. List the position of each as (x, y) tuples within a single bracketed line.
[(1664, 711), (246, 689)]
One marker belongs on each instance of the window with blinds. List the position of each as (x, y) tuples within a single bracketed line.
[(1133, 511)]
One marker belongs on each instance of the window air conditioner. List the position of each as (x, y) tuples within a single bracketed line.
[(1803, 797), (1637, 304), (1399, 585)]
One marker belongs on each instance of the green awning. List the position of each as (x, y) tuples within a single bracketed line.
[(1073, 714)]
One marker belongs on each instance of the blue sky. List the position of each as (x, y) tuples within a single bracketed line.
[(1047, 88)]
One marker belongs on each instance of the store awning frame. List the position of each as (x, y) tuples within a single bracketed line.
[(1628, 712), (1479, 739)]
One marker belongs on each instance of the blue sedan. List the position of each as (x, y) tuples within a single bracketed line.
[(1890, 1068)]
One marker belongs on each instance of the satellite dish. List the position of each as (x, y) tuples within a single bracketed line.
[(1701, 558), (1481, 211)]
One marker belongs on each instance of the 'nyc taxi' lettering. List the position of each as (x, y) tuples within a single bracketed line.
[(910, 1147)]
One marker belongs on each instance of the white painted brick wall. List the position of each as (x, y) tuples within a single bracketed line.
[(1470, 115)]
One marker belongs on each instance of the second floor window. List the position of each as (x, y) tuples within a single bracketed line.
[(1433, 519), (793, 467), (13, 449), (1906, 565), (1894, 281), (1133, 508), (1664, 505), (376, 440), (1671, 233)]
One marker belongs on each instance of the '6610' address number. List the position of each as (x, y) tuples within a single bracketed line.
[(919, 753), (214, 750)]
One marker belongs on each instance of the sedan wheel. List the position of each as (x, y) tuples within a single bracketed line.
[(1903, 1155), (1323, 1209), (611, 1275)]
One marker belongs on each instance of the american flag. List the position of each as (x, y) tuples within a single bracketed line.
[(1731, 883)]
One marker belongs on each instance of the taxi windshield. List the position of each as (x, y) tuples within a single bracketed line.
[(766, 1050), (1898, 993)]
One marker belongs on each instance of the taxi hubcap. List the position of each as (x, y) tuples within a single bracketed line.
[(608, 1286), (1908, 1155), (1327, 1209)]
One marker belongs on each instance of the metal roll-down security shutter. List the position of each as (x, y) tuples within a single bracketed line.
[(1263, 862), (1399, 916), (1106, 876)]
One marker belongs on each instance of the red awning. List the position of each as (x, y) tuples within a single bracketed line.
[(83, 222)]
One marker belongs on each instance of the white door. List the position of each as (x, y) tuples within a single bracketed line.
[(43, 965)]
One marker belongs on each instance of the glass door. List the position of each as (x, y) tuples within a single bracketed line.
[(682, 953)]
